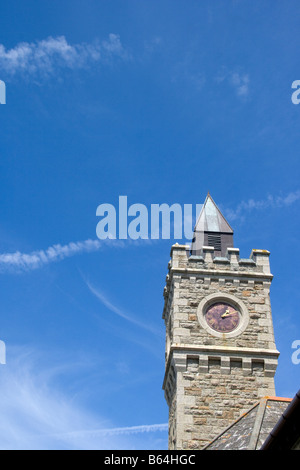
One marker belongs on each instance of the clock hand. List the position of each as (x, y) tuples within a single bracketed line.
[(227, 313)]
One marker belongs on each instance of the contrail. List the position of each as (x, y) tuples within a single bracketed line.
[(37, 259), (118, 431)]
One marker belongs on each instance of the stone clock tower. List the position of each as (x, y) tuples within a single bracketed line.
[(220, 350)]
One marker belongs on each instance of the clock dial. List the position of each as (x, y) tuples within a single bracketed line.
[(222, 317)]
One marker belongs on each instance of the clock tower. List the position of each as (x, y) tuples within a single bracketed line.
[(220, 350)]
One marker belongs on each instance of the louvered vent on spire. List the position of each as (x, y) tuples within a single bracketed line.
[(212, 229)]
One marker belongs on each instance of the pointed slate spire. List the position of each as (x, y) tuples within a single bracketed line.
[(211, 218), (212, 229)]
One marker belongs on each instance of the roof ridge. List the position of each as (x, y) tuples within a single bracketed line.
[(257, 423), (277, 398)]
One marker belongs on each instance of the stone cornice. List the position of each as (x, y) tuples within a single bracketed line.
[(220, 273), (188, 349), (224, 349)]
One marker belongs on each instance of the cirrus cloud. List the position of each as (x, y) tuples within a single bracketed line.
[(37, 414), (46, 56), (271, 201)]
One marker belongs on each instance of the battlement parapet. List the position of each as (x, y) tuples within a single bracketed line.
[(181, 258), (254, 269)]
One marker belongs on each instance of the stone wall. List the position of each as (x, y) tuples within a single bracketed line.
[(212, 378)]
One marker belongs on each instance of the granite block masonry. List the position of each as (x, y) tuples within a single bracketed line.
[(215, 372)]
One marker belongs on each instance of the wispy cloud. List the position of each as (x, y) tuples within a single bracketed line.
[(144, 428), (21, 262), (236, 79), (121, 313), (240, 83), (25, 262), (262, 204), (47, 56), (37, 414)]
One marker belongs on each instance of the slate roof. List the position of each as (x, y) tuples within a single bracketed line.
[(250, 431), (211, 218), (286, 433)]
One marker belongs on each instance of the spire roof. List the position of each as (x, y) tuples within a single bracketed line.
[(211, 218)]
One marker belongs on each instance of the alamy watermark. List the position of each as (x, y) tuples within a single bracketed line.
[(2, 353), (2, 92), (296, 353), (296, 94), (162, 221)]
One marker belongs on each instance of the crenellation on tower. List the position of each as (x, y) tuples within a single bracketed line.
[(220, 345)]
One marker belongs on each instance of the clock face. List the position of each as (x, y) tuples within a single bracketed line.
[(222, 317)]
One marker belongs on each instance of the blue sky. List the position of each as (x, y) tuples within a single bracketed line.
[(160, 101)]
